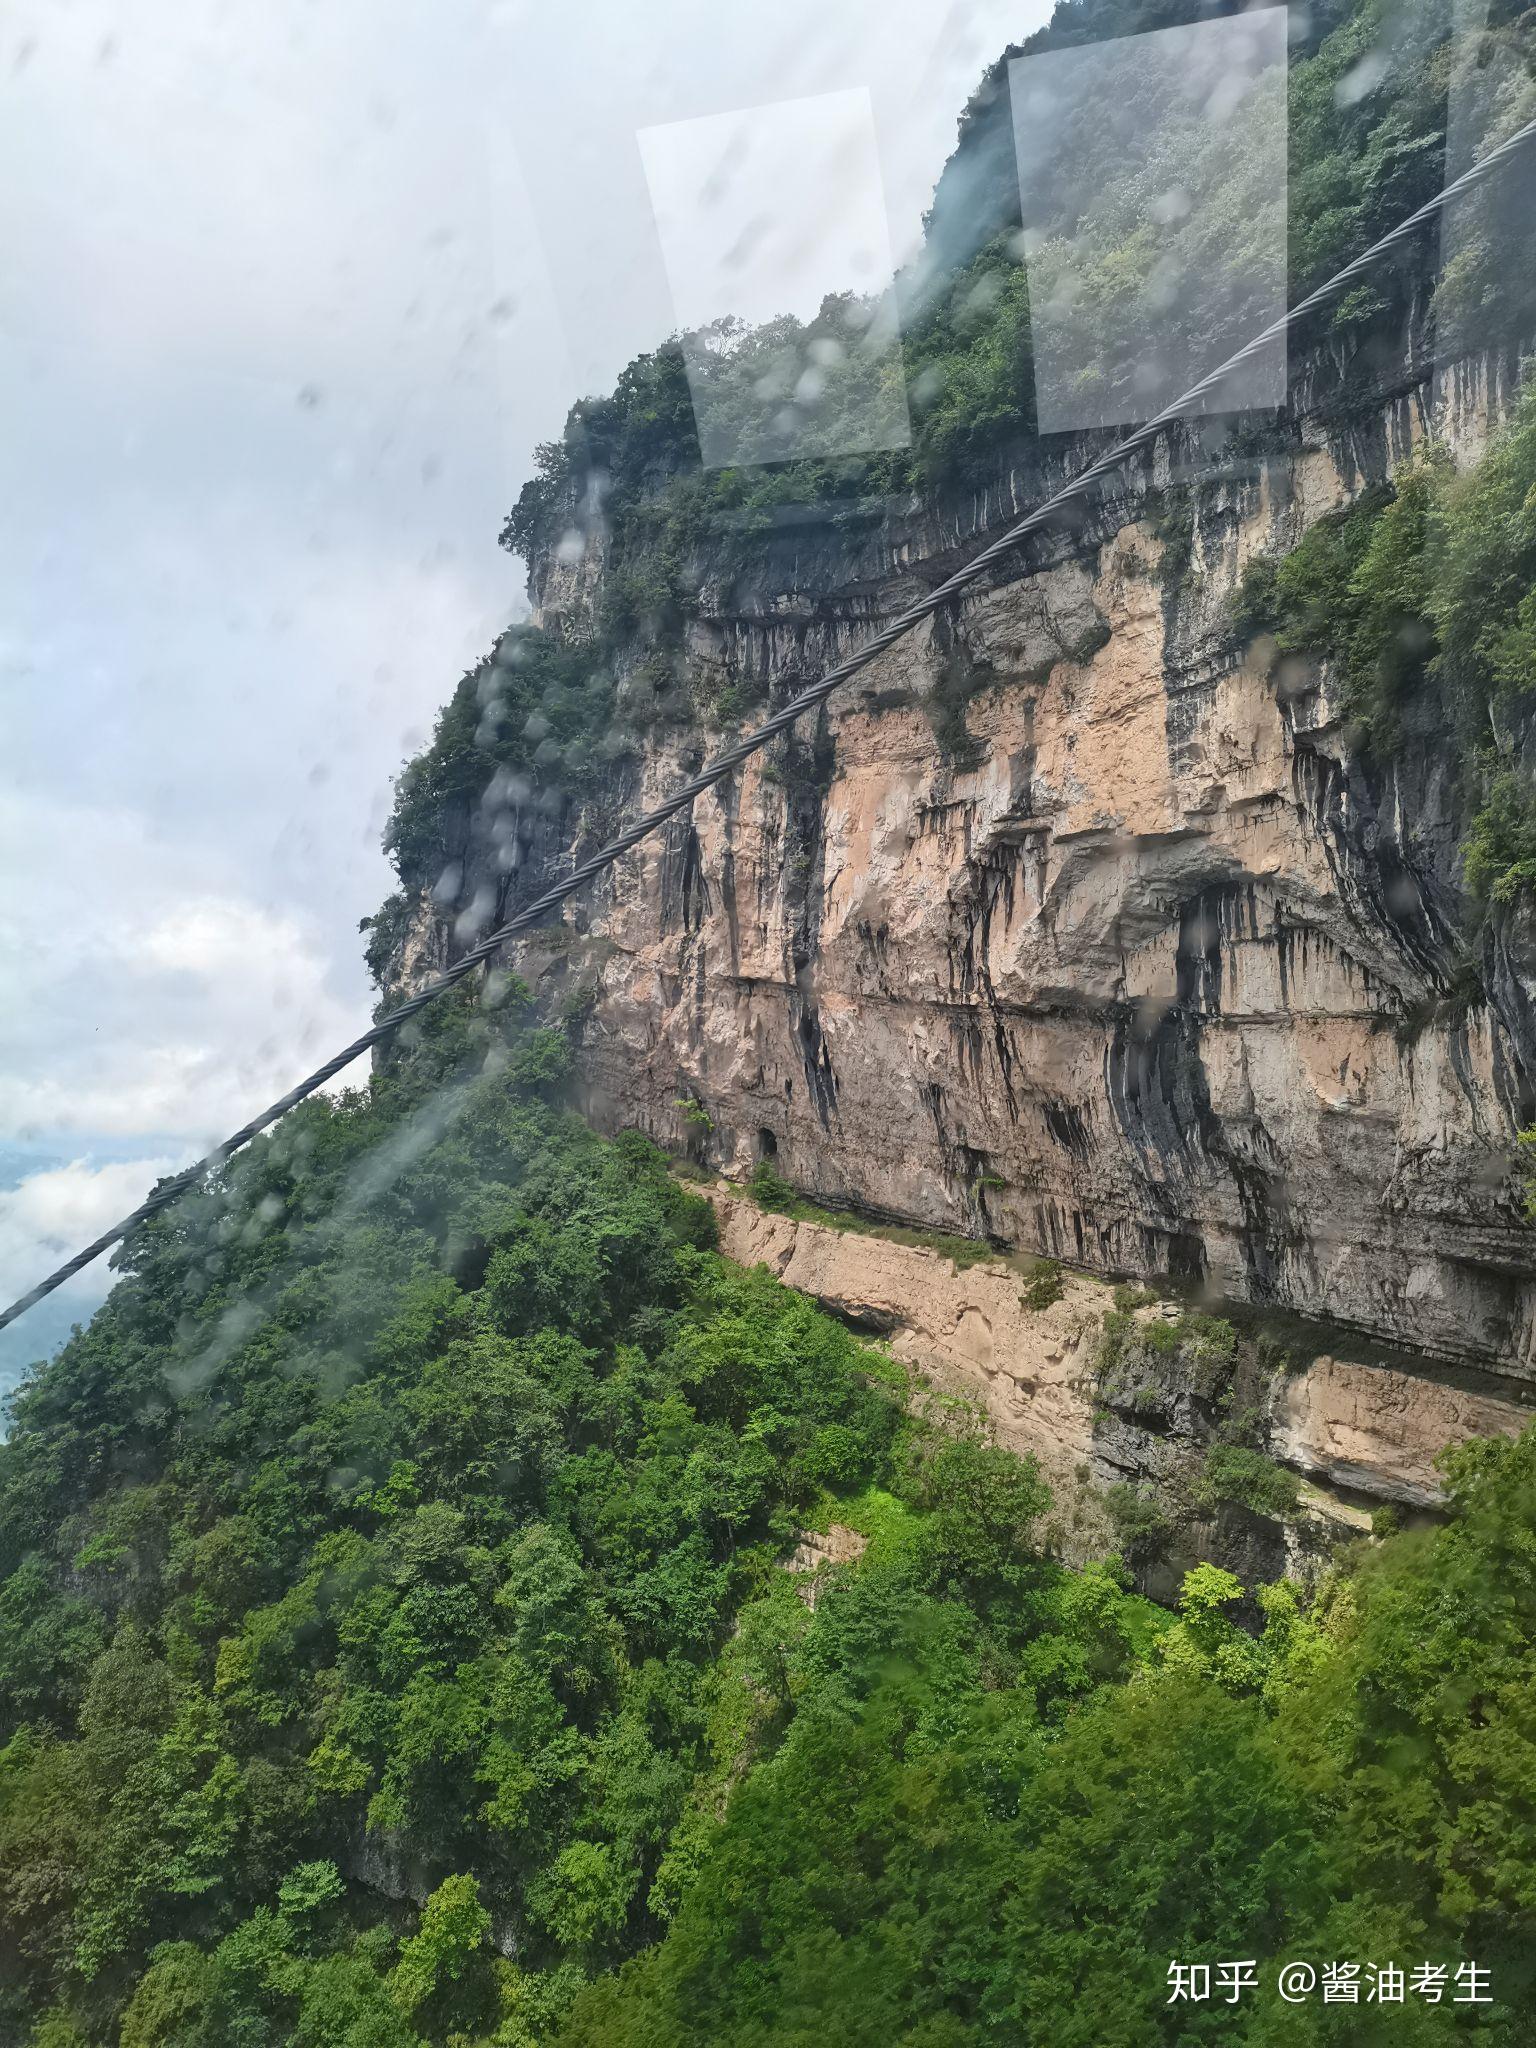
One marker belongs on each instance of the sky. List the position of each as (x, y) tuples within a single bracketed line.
[(765, 241), (290, 295)]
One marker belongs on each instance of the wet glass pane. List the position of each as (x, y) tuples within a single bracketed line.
[(1152, 174), (764, 218), (861, 1373), (1486, 292)]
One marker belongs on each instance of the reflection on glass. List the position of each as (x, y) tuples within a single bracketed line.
[(1485, 291), (1152, 174), (764, 216)]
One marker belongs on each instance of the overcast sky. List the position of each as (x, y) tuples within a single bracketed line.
[(290, 292)]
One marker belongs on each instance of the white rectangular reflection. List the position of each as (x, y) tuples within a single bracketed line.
[(773, 230), (1484, 295), (1152, 176)]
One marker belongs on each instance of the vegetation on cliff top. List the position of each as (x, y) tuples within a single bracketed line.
[(532, 713), (1367, 145), (1419, 594), (1368, 99), (1426, 588)]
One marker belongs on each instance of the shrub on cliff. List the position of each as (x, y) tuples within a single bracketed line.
[(1429, 586), (1235, 1472)]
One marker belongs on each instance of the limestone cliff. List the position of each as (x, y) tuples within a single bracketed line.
[(1071, 923)]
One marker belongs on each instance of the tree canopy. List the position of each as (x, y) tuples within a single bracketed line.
[(395, 1647)]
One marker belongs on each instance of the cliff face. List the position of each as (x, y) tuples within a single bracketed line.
[(1071, 922)]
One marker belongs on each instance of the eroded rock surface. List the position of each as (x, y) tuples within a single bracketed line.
[(1070, 922), (1073, 924), (821, 1551), (1377, 1431)]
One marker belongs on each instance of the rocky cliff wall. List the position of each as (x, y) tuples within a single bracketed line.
[(1070, 922)]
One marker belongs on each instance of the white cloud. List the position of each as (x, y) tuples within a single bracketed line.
[(45, 1219), (272, 189), (50, 1215), (212, 939), (150, 1008), (272, 399)]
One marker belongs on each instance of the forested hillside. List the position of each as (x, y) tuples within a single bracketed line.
[(395, 1648)]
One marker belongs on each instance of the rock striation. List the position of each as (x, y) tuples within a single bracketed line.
[(1079, 924), (1074, 922)]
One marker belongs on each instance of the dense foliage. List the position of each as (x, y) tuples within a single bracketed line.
[(1367, 145), (928, 1859), (1424, 592), (530, 709), (394, 1650), (379, 1536)]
